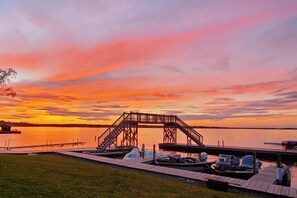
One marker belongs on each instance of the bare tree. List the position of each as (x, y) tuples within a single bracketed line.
[(5, 77)]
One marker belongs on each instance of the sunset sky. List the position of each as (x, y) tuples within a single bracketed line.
[(215, 63)]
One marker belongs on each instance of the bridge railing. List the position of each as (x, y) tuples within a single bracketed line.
[(190, 130), (150, 118), (102, 137)]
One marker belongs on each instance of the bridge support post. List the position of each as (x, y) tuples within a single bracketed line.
[(189, 141), (170, 133), (130, 134)]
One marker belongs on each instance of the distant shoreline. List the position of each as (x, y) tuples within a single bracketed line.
[(140, 126)]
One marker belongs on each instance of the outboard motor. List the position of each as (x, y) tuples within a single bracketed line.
[(203, 157)]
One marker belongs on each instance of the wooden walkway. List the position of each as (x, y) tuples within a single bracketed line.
[(267, 175), (253, 185), (44, 145)]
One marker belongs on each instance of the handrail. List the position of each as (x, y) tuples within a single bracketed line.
[(190, 130), (151, 118), (108, 130)]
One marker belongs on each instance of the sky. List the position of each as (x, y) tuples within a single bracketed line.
[(213, 63)]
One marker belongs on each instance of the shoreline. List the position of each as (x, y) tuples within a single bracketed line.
[(142, 126)]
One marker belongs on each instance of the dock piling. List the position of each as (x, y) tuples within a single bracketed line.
[(143, 150), (154, 153), (254, 161)]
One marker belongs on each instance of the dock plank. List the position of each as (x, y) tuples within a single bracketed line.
[(264, 187), (277, 190), (252, 185), (246, 183), (236, 182), (258, 186), (285, 191), (270, 188), (293, 192)]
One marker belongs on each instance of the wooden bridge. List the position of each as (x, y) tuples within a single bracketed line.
[(127, 125)]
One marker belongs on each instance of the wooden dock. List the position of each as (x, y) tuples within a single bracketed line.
[(43, 145), (251, 185), (266, 154)]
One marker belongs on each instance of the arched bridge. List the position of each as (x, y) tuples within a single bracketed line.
[(127, 124)]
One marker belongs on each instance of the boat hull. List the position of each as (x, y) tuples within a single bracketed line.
[(235, 174), (199, 166)]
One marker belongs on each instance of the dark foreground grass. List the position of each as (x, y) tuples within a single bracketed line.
[(58, 176)]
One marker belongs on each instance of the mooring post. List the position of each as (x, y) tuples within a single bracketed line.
[(279, 161), (218, 143), (154, 153), (143, 150), (223, 144), (254, 161), (279, 171)]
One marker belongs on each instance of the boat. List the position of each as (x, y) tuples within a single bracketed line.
[(135, 154), (186, 163), (289, 144), (6, 129), (231, 166), (227, 162)]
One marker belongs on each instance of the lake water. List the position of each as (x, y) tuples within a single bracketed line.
[(149, 136)]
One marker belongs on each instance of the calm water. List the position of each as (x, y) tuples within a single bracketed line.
[(235, 137)]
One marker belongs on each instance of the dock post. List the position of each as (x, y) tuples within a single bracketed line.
[(279, 170), (279, 160), (154, 153), (218, 143), (254, 161), (143, 150), (223, 143)]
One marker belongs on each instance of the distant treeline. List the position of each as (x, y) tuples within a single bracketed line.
[(24, 124)]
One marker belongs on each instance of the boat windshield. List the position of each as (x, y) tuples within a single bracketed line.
[(247, 161), (224, 159), (132, 155)]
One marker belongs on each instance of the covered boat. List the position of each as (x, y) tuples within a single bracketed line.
[(135, 154)]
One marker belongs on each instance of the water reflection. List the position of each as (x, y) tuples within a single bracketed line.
[(148, 136)]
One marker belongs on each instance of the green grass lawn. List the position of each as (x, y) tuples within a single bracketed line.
[(58, 176)]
